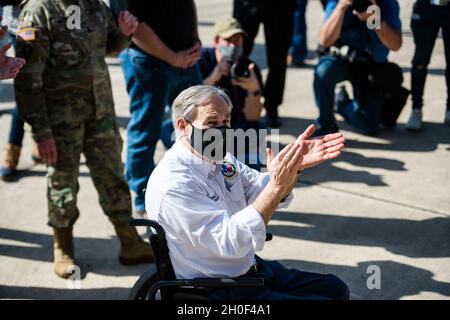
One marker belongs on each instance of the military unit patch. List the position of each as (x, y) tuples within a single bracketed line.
[(27, 34)]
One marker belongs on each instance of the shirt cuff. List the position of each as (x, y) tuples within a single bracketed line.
[(41, 135), (286, 201), (253, 220)]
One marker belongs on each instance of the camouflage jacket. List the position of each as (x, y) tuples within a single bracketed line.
[(65, 79)]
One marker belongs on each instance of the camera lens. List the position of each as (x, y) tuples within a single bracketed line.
[(240, 69), (361, 5)]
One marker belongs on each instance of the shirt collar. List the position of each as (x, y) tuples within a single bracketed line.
[(205, 168)]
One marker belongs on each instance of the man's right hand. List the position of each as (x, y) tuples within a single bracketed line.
[(9, 66), (220, 70), (283, 169), (47, 151), (187, 58)]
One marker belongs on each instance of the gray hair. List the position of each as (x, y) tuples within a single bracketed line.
[(196, 96)]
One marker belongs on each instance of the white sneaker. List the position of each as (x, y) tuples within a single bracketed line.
[(447, 118), (415, 121)]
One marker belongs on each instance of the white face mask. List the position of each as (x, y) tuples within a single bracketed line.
[(231, 53)]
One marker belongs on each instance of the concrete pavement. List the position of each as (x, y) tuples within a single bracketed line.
[(384, 203)]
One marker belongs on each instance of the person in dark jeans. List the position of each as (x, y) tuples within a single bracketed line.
[(426, 21), (16, 132), (245, 92), (277, 17), (342, 28), (160, 63), (299, 49)]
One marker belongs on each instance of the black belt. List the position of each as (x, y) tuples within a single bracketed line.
[(253, 269)]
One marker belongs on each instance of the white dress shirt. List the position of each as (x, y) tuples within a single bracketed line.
[(206, 210)]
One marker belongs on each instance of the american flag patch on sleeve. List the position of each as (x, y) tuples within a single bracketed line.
[(27, 34)]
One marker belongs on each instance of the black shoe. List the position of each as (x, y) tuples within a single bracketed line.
[(341, 99), (324, 131), (273, 122)]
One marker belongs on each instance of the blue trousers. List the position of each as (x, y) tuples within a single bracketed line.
[(298, 48), (281, 283), (363, 112), (151, 84), (16, 132)]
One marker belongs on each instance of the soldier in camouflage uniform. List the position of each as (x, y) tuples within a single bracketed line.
[(64, 93)]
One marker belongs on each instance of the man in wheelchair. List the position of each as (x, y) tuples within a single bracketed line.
[(214, 209)]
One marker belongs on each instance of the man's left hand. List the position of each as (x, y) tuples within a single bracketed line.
[(250, 84), (318, 150), (128, 23)]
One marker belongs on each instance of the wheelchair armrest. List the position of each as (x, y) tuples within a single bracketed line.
[(207, 283)]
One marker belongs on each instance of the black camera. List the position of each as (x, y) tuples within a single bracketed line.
[(352, 55), (361, 5), (439, 2), (239, 69)]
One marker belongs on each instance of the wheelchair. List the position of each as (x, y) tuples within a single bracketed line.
[(163, 284)]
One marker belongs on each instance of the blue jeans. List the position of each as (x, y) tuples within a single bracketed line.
[(151, 84), (298, 48), (363, 114), (281, 283), (16, 132)]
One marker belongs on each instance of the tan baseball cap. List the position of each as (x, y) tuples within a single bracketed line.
[(227, 28)]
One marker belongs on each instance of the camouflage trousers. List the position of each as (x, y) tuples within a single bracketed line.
[(101, 144)]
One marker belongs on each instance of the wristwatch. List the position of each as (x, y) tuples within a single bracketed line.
[(254, 93)]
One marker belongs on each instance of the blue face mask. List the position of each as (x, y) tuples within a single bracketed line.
[(231, 53), (209, 142)]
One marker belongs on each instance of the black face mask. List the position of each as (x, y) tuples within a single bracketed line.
[(209, 142)]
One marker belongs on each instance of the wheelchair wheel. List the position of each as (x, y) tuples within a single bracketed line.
[(142, 286)]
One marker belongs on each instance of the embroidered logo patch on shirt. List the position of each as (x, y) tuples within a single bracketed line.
[(228, 170), (27, 34)]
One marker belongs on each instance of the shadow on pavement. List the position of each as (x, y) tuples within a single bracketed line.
[(397, 280), (410, 238), (294, 126), (5, 111), (15, 292), (123, 121), (397, 139), (400, 139), (26, 173), (92, 255)]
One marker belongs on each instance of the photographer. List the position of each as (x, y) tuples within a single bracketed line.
[(428, 17), (224, 66), (358, 52)]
